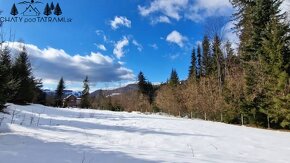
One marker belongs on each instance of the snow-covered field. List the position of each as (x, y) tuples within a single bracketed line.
[(40, 134)]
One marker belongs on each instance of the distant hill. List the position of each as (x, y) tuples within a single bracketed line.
[(66, 92), (113, 92), (117, 91)]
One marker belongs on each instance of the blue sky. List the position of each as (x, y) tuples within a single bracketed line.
[(111, 41)]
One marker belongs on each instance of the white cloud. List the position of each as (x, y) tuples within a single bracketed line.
[(230, 35), (50, 64), (161, 19), (101, 47), (120, 21), (138, 45), (195, 10), (197, 43), (177, 38), (154, 46), (119, 46), (169, 8), (102, 34), (201, 9), (99, 32)]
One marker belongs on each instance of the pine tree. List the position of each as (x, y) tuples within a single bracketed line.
[(253, 19), (244, 25), (206, 56), (3, 98), (14, 10), (52, 6), (40, 95), (47, 10), (150, 91), (263, 11), (275, 81), (174, 79), (193, 69), (11, 84), (22, 73), (229, 50), (85, 101), (5, 71), (199, 62), (218, 66), (145, 87), (59, 92), (231, 60), (57, 10), (142, 83)]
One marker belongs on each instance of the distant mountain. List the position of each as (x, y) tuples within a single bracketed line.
[(115, 92), (66, 92)]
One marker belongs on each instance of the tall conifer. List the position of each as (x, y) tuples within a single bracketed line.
[(59, 92), (85, 101)]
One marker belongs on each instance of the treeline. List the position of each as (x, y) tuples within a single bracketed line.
[(17, 83), (249, 86)]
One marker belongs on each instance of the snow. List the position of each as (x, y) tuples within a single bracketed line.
[(40, 134)]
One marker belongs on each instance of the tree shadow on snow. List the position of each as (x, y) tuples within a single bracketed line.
[(17, 148), (130, 129)]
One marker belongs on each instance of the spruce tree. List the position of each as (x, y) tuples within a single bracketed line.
[(199, 62), (40, 95), (52, 6), (142, 83), (145, 87), (231, 60), (3, 98), (47, 10), (229, 50), (263, 11), (218, 66), (14, 10), (5, 67), (243, 18), (174, 79), (192, 68), (59, 92), (150, 91), (22, 72), (275, 81), (85, 101), (254, 19), (206, 56), (57, 10), (11, 84)]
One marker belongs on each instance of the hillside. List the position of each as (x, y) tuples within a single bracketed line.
[(39, 134), (126, 89)]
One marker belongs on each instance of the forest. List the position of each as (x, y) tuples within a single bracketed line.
[(248, 85)]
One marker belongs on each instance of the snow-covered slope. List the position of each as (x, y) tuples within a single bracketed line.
[(40, 134)]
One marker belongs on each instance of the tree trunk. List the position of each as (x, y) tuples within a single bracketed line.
[(242, 119), (268, 120)]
